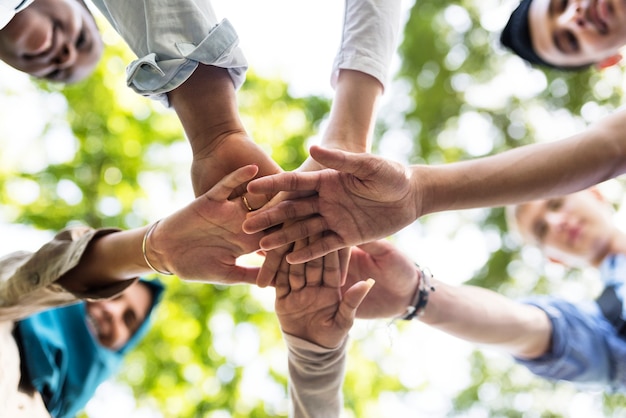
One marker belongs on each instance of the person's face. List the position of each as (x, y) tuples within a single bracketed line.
[(572, 33), (52, 39), (575, 229), (115, 321)]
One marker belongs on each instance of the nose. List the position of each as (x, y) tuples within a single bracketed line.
[(118, 331), (556, 221), (65, 56), (574, 14)]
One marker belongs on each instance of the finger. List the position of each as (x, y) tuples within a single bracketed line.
[(286, 196), (314, 268), (352, 299), (223, 188), (242, 275), (282, 283), (344, 261), (271, 265), (339, 160), (298, 274), (332, 270), (298, 230), (319, 248), (288, 210), (285, 182)]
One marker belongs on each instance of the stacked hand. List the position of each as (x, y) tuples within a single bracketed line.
[(310, 303), (395, 275), (363, 198), (203, 240)]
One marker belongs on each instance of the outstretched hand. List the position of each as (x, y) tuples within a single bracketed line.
[(203, 240), (309, 302), (361, 199)]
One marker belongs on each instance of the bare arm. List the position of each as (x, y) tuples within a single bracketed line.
[(369, 197), (471, 313), (316, 318), (485, 317), (206, 105), (201, 242), (359, 75), (526, 173)]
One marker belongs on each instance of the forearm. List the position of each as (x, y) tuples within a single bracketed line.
[(360, 71), (207, 107), (526, 173), (29, 281), (484, 317), (108, 259), (206, 104), (353, 112)]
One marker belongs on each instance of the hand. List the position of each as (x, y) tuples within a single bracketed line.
[(203, 240), (225, 155), (309, 303), (206, 104), (395, 274), (365, 199)]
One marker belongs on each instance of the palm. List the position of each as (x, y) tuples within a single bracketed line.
[(310, 305), (310, 313), (395, 275), (205, 238)]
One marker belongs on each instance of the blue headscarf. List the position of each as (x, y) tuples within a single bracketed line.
[(63, 359), (516, 37)]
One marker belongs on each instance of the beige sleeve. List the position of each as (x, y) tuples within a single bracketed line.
[(315, 378), (27, 280)]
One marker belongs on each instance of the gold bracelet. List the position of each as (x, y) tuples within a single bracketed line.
[(144, 246)]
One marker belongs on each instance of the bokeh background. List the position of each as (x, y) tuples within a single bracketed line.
[(97, 153)]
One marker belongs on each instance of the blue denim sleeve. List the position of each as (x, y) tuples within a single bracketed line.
[(171, 38), (584, 347)]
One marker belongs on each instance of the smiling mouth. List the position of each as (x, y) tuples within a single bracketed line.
[(594, 13), (93, 325)]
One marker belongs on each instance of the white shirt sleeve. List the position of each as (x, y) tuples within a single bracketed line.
[(369, 38)]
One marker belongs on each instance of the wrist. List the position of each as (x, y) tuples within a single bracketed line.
[(152, 257), (423, 189), (422, 292), (350, 143)]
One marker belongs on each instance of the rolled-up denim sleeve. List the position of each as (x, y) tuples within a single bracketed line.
[(171, 38), (584, 346)]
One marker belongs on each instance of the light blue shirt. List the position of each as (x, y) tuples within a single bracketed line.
[(613, 273), (170, 39), (586, 348)]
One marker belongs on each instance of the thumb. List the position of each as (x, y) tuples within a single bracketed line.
[(223, 188), (339, 160), (352, 299)]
